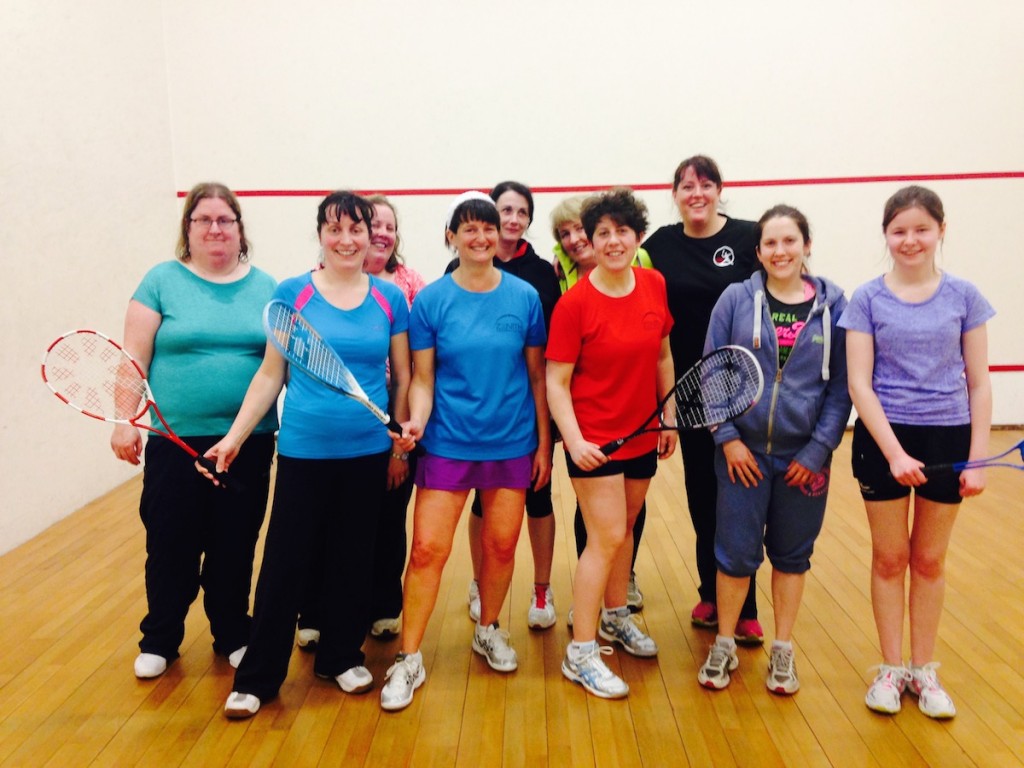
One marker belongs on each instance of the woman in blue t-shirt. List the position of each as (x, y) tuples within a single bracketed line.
[(194, 326), (332, 462), (477, 405), (917, 348)]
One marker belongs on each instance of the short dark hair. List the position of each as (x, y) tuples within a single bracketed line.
[(618, 204), (472, 210), (344, 202), (514, 186), (703, 166), (198, 193), (913, 197)]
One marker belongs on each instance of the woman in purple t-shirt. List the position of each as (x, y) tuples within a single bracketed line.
[(917, 355)]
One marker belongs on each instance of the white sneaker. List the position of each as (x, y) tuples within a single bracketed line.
[(782, 671), (241, 705), (589, 670), (720, 662), (931, 698), (236, 656), (568, 619), (149, 665), (385, 629), (355, 680), (492, 643), (307, 639), (474, 601), (404, 677), (887, 688), (542, 607)]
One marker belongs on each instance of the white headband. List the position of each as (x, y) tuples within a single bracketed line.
[(472, 194)]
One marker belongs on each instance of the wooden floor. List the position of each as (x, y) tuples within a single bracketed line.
[(72, 599)]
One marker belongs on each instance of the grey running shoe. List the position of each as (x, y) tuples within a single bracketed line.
[(618, 627), (782, 671), (492, 643), (720, 662)]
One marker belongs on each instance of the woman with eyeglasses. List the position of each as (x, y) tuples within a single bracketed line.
[(196, 321)]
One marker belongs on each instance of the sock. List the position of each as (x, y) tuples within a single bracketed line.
[(784, 644), (620, 611), (579, 649), (726, 642)]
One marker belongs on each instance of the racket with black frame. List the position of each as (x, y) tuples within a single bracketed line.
[(98, 378), (720, 386), (302, 346)]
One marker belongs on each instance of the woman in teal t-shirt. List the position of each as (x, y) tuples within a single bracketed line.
[(194, 326)]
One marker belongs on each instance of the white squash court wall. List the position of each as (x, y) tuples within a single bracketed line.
[(113, 106)]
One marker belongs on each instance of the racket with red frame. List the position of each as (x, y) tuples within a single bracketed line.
[(96, 376)]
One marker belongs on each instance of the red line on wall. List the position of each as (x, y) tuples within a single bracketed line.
[(654, 187), (649, 187)]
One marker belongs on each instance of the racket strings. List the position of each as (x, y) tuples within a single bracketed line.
[(303, 346), (92, 374), (717, 389)]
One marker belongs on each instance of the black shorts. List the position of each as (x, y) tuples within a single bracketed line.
[(640, 468), (932, 445)]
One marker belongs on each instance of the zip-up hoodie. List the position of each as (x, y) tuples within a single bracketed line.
[(805, 405)]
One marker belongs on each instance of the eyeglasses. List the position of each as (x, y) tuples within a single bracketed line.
[(205, 222)]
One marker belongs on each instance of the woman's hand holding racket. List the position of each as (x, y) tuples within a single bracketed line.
[(97, 377), (719, 387)]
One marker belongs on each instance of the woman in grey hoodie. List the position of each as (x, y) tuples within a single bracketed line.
[(772, 463)]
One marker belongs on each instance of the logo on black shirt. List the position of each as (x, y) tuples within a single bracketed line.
[(724, 257)]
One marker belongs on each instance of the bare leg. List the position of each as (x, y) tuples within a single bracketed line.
[(929, 541), (542, 544), (610, 505), (434, 520), (890, 556), (731, 591), (787, 592), (475, 529), (502, 522)]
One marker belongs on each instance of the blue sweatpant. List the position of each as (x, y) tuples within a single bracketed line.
[(771, 517)]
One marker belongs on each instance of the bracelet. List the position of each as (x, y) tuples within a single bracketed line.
[(400, 456)]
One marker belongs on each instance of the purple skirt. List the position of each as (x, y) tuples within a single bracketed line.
[(440, 474)]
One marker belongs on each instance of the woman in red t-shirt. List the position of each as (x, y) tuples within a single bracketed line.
[(609, 364)]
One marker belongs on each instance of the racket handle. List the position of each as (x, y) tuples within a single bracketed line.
[(222, 477), (394, 426), (939, 469), (609, 448)]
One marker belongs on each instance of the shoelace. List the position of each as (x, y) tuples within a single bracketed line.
[(403, 665), (587, 660), (897, 677), (782, 662), (926, 677), (719, 658)]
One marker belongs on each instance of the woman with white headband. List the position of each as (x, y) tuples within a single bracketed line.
[(477, 406)]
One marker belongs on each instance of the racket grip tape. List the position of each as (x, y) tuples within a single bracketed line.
[(609, 448), (222, 477), (940, 469)]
